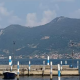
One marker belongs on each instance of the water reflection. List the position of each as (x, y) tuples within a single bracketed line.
[(44, 78)]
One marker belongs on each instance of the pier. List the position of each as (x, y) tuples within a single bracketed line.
[(38, 70)]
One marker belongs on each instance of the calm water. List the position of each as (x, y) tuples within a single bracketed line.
[(40, 62), (45, 78)]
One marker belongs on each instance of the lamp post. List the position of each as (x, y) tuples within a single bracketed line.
[(72, 57), (13, 51), (72, 53)]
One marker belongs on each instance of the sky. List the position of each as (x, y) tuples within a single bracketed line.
[(32, 13)]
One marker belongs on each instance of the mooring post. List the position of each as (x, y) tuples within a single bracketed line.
[(78, 64), (11, 65), (29, 68), (51, 70), (61, 65), (48, 60), (43, 68), (10, 60), (65, 62), (58, 71), (79, 71), (18, 70)]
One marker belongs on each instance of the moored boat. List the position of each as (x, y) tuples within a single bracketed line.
[(9, 75)]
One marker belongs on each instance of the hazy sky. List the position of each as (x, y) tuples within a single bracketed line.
[(36, 12)]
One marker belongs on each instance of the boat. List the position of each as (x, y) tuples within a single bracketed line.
[(9, 75)]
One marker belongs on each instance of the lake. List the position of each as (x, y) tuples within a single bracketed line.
[(45, 78)]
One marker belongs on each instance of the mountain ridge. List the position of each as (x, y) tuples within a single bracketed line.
[(56, 35)]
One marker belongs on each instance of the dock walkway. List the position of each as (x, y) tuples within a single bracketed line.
[(38, 70)]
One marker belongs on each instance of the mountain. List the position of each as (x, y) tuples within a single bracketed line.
[(61, 35)]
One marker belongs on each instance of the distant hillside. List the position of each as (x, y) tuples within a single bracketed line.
[(56, 36)]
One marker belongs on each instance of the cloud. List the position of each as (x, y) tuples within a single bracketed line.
[(48, 16), (75, 14), (3, 10), (7, 16), (31, 18)]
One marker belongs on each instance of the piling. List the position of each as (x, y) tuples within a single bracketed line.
[(51, 70), (29, 68), (48, 60), (58, 71), (10, 60), (61, 65), (78, 64), (79, 71), (18, 70), (11, 65), (43, 68), (65, 62)]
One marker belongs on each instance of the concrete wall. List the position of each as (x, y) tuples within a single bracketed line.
[(37, 70)]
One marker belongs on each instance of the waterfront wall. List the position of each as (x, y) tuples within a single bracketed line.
[(37, 70)]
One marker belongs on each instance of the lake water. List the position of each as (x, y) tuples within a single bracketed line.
[(45, 78), (40, 61)]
